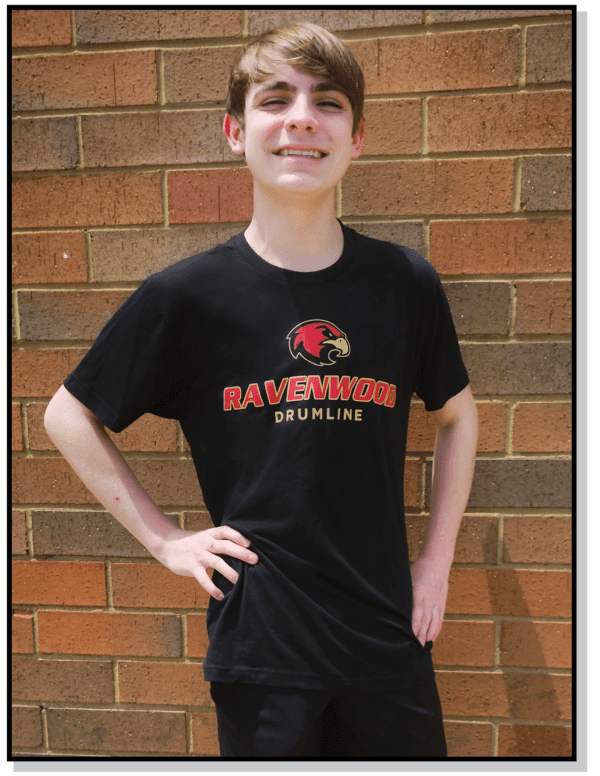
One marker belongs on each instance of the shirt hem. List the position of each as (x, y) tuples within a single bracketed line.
[(247, 675)]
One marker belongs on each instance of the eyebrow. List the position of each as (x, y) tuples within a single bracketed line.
[(284, 86)]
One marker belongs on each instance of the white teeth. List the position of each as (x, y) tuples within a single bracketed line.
[(294, 152)]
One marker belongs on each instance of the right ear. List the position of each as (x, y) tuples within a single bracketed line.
[(234, 134)]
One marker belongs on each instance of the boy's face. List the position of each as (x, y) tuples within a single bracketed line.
[(290, 113)]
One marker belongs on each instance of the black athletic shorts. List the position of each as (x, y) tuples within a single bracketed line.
[(266, 721)]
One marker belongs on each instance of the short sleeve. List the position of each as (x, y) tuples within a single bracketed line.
[(440, 371), (130, 370)]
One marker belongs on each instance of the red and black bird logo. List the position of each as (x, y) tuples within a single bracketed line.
[(318, 342)]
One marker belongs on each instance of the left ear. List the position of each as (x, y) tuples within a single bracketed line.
[(358, 139), (234, 134)]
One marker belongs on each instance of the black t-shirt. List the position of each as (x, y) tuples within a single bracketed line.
[(293, 391)]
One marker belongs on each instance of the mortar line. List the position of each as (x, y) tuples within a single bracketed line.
[(115, 673), (500, 545), (245, 23), (425, 125), (15, 316), (189, 735), (79, 129), (29, 533), (517, 183), (495, 738), (25, 427), (73, 30), (522, 55), (88, 255), (164, 199), (160, 78), (45, 735)]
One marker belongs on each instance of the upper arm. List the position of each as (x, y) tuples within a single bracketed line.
[(461, 406), (63, 405)]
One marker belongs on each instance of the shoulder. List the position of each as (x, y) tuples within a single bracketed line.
[(395, 257), (191, 277)]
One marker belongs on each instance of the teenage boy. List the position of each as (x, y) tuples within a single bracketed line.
[(289, 356)]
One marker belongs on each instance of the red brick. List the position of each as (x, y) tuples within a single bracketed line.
[(197, 635), (197, 521), (41, 28), (500, 122), (17, 431), (61, 583), (468, 739), (84, 80), (439, 62), (537, 539), (134, 254), (332, 20), (108, 26), (502, 247), (200, 196), (471, 15), (169, 482), (19, 533), (87, 200), (27, 726), (449, 186), (476, 542), (392, 127), (170, 684), (53, 481), (109, 633), (492, 427), (205, 734), (542, 428), (536, 644), (172, 137), (115, 730), (147, 434), (544, 307), (465, 643), (67, 315), (44, 144), (47, 481), (520, 696), (198, 75), (534, 741), (88, 681), (22, 632), (40, 373), (49, 257), (412, 469), (142, 585), (546, 183), (549, 54), (519, 593)]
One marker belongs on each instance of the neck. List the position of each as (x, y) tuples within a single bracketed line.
[(295, 234)]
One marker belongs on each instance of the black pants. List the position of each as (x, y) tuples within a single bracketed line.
[(265, 721)]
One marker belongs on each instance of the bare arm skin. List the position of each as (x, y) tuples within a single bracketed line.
[(83, 441), (453, 464)]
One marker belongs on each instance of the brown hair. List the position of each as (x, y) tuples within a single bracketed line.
[(306, 47)]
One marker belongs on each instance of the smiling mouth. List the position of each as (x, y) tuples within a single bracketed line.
[(297, 152)]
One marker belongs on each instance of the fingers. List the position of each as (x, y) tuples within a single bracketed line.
[(227, 532), (206, 582), (426, 625)]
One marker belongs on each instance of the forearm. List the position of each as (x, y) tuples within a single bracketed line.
[(453, 464), (88, 449)]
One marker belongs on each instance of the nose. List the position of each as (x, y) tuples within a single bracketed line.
[(301, 114)]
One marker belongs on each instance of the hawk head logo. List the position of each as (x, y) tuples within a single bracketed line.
[(318, 342)]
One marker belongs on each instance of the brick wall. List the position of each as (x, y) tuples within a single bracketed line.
[(121, 169)]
